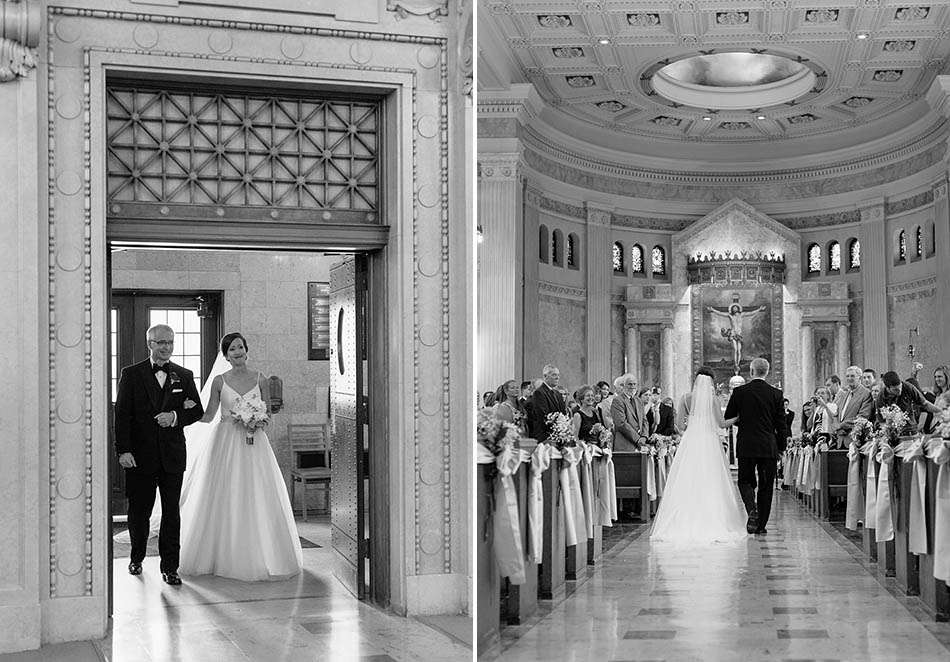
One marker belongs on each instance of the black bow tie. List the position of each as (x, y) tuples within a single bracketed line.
[(158, 368)]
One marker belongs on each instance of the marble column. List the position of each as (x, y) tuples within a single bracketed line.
[(942, 248), (843, 349), (23, 536), (599, 276), (874, 284), (666, 359), (632, 357), (808, 359), (500, 263)]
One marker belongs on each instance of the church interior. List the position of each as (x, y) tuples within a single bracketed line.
[(664, 187)]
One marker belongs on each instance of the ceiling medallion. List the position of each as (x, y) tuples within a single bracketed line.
[(899, 46), (733, 80), (580, 81), (612, 106), (555, 21), (732, 17), (643, 20), (857, 102), (911, 13), (568, 51), (735, 126), (821, 16), (802, 119), (888, 75), (664, 120)]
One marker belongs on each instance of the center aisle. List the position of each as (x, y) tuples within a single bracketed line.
[(793, 594)]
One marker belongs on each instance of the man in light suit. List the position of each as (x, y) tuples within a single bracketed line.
[(853, 400), (630, 424)]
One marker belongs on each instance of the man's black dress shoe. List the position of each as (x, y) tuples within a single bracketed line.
[(135, 568), (760, 532), (171, 578)]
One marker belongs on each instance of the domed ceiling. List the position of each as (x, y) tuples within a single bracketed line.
[(668, 73)]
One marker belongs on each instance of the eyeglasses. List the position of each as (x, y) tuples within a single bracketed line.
[(163, 343)]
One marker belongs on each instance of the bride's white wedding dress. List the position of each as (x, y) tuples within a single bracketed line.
[(236, 518), (701, 503)]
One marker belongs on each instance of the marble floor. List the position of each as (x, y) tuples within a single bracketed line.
[(798, 593), (211, 619)]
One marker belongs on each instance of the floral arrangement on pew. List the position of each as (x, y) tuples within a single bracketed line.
[(600, 436), (660, 442), (562, 430), (495, 434), (895, 422), (943, 426), (861, 432)]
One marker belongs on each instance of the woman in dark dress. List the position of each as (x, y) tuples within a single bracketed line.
[(587, 415)]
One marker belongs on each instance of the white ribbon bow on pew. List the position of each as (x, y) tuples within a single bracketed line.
[(913, 452), (870, 485), (883, 514), (570, 491), (587, 487), (606, 490), (649, 452), (853, 511), (540, 462), (506, 525), (938, 450)]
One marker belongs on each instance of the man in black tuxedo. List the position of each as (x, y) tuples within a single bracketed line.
[(156, 399), (759, 442), (545, 400), (659, 415)]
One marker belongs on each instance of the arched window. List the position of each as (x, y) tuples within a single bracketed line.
[(543, 243), (834, 256), (902, 246), (918, 242), (814, 259), (659, 261), (854, 255), (557, 248), (618, 257), (636, 259), (572, 248)]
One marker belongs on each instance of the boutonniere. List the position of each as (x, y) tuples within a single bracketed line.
[(174, 378)]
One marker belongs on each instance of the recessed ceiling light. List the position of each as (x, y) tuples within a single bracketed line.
[(604, 41), (760, 117), (862, 35), (707, 118)]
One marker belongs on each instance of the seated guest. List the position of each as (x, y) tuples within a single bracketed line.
[(824, 415), (853, 401), (907, 398), (868, 377), (833, 384), (660, 415), (545, 400), (508, 405)]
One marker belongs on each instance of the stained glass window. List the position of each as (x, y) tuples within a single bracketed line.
[(659, 261), (572, 250), (902, 246), (814, 259), (855, 253), (834, 256), (919, 247), (618, 257), (636, 259)]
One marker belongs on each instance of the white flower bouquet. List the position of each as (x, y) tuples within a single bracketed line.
[(562, 430), (250, 412)]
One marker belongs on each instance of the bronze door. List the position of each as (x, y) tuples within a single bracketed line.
[(348, 493)]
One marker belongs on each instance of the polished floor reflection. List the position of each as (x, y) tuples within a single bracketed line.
[(797, 593), (311, 617)]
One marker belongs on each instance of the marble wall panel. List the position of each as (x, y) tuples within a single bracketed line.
[(856, 314), (562, 340), (910, 306), (618, 318)]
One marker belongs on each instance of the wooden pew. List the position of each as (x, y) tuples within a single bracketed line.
[(630, 469), (522, 600), (933, 592), (905, 563), (489, 581), (551, 572), (834, 480), (867, 535)]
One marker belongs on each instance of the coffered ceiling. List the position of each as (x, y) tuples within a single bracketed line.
[(592, 63)]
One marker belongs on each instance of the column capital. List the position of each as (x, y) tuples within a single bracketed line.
[(500, 166), (940, 190), (631, 326), (20, 25), (808, 324), (938, 96), (598, 215), (844, 323)]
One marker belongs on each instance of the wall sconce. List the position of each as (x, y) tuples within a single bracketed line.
[(911, 350), (205, 309), (276, 387), (479, 237)]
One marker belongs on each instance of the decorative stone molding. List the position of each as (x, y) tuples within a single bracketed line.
[(20, 25), (539, 201), (919, 284), (404, 8), (562, 291), (913, 202), (647, 223), (822, 220), (598, 216), (824, 302), (499, 166)]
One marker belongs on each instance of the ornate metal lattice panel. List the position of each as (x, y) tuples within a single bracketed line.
[(228, 149)]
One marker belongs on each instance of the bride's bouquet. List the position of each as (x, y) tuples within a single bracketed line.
[(562, 430), (251, 412)]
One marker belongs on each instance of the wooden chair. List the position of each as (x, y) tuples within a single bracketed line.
[(309, 439)]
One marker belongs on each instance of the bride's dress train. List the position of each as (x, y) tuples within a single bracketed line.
[(701, 503)]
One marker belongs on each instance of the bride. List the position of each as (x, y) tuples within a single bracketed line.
[(236, 517), (700, 502)]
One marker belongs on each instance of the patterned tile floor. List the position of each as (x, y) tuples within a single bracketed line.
[(801, 592)]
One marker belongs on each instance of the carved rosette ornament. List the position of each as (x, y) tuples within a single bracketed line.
[(19, 36), (434, 9)]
